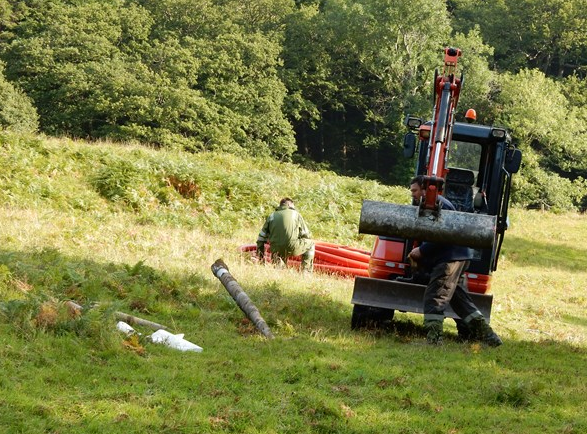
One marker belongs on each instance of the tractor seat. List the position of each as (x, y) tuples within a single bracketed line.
[(459, 189)]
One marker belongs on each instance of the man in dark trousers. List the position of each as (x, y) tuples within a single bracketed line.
[(446, 264), (288, 235)]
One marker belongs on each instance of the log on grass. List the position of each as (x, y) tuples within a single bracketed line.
[(220, 270), (129, 319)]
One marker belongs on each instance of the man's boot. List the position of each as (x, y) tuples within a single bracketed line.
[(308, 261), (433, 329), (483, 332), (464, 332)]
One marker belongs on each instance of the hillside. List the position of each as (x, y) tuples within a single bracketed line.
[(137, 229)]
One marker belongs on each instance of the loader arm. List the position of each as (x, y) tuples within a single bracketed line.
[(447, 89)]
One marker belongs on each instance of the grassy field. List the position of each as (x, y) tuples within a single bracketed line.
[(137, 230)]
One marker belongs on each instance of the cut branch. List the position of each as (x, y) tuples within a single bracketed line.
[(121, 316)]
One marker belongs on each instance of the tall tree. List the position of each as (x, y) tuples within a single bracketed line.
[(551, 132), (353, 68), (548, 35), (172, 73), (478, 89)]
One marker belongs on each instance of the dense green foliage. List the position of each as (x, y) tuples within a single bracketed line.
[(551, 136), (17, 112), (324, 83), (363, 67), (131, 70), (136, 230), (531, 34), (540, 95)]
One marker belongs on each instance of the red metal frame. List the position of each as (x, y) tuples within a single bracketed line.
[(447, 88)]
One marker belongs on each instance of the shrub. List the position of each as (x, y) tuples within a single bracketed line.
[(17, 112), (126, 181)]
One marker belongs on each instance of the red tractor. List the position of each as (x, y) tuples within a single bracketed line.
[(472, 166)]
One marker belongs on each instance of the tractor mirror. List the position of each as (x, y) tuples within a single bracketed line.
[(513, 160), (409, 145)]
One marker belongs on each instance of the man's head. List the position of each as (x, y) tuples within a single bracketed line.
[(286, 201), (417, 188)]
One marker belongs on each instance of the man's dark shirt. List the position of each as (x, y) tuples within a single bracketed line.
[(436, 253)]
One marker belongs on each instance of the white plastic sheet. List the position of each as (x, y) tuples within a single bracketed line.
[(174, 341), (125, 328)]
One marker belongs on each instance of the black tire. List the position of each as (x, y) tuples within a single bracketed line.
[(370, 317)]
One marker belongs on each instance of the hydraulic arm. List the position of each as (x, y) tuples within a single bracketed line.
[(447, 90)]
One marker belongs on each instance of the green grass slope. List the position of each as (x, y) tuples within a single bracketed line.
[(136, 230)]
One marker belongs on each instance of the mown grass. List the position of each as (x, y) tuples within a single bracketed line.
[(137, 230)]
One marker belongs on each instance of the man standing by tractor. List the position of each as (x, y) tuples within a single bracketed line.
[(446, 264), (288, 235)]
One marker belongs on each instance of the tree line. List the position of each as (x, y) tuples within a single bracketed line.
[(325, 83)]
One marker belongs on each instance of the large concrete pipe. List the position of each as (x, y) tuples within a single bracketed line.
[(220, 270), (405, 221)]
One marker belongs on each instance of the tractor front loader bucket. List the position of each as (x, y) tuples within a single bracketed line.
[(405, 297), (449, 227)]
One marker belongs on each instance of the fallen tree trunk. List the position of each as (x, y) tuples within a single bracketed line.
[(220, 270), (121, 316)]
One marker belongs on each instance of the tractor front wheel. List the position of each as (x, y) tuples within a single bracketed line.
[(370, 317)]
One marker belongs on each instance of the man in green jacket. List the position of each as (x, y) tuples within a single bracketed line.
[(288, 235)]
